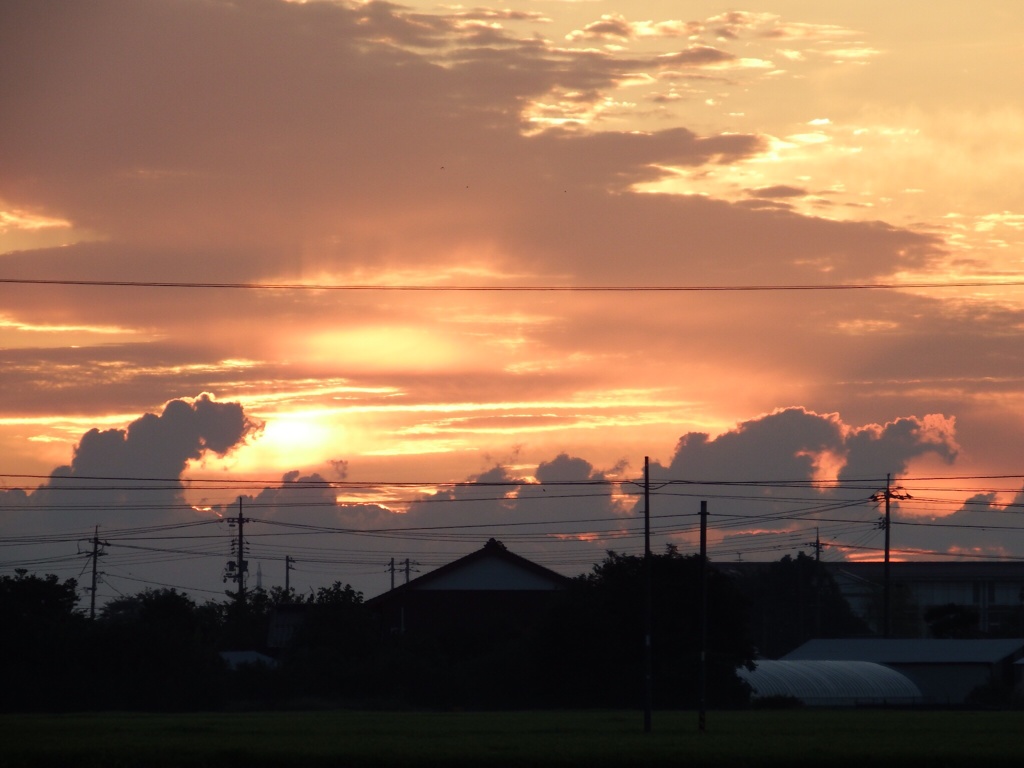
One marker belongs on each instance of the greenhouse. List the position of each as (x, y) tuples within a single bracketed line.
[(831, 683)]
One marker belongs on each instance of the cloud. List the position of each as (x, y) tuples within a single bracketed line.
[(563, 511), (875, 450), (788, 444), (144, 462), (777, 191), (615, 26), (696, 56), (161, 446)]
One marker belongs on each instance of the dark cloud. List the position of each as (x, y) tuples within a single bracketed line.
[(777, 191), (874, 451), (161, 446), (780, 446), (696, 55), (788, 444), (565, 512), (113, 469)]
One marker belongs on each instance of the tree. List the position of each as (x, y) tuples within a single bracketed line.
[(952, 621), (594, 639), (793, 600), (41, 645), (335, 651), (158, 650)]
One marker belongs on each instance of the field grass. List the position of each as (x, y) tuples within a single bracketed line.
[(863, 738)]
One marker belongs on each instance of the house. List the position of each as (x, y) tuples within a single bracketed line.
[(490, 590), (947, 672)]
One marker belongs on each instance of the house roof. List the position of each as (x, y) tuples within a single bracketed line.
[(491, 568), (909, 651)]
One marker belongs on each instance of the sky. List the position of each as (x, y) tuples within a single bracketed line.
[(404, 277)]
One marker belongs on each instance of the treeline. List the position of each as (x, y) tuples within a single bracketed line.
[(160, 650)]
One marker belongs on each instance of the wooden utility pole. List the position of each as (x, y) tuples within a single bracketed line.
[(238, 567), (703, 672), (886, 590), (288, 567), (888, 494), (242, 564), (648, 601), (96, 555)]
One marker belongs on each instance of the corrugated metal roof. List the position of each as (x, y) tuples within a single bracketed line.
[(831, 683), (908, 651)]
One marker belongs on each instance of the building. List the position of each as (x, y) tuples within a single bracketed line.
[(491, 590), (993, 591)]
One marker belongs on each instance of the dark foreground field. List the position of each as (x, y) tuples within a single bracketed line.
[(866, 739)]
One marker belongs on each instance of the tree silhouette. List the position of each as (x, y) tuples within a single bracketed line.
[(593, 642), (794, 600), (41, 647)]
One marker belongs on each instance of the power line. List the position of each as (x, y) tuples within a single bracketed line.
[(369, 287)]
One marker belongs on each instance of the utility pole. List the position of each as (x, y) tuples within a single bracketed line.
[(96, 555), (288, 568), (703, 673), (242, 564), (648, 601), (406, 564), (886, 525), (237, 568), (816, 580)]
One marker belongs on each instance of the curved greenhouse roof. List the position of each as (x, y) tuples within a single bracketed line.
[(831, 683)]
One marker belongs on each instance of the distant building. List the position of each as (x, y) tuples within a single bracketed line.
[(994, 590), (490, 589), (990, 591)]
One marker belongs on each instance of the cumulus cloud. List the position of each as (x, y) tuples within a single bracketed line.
[(766, 480), (145, 461), (790, 444)]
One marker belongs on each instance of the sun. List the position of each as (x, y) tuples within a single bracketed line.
[(294, 439)]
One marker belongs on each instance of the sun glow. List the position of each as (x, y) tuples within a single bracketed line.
[(383, 348), (296, 439)]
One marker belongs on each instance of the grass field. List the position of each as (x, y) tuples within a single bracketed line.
[(863, 738)]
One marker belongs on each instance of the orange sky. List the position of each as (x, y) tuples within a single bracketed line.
[(575, 144)]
